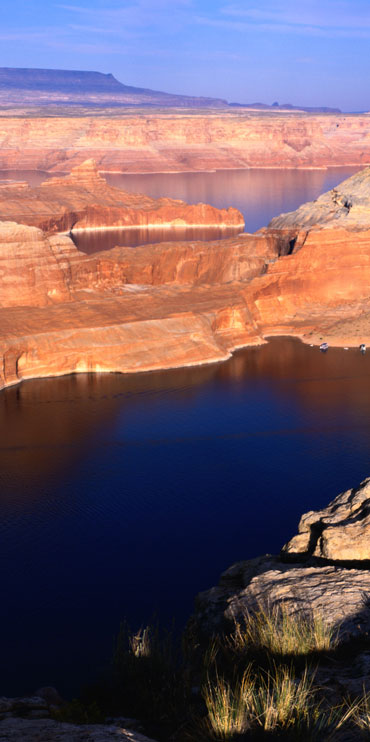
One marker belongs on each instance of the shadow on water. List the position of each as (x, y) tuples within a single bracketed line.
[(125, 495)]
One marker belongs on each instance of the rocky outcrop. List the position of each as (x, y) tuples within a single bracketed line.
[(158, 306), (196, 263), (336, 593), (172, 304), (29, 718), (347, 206), (178, 142), (339, 532), (34, 268), (45, 730), (324, 570), (139, 330), (318, 289), (84, 200)]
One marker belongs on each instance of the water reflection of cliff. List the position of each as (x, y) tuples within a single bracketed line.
[(258, 194), (47, 425), (104, 239), (333, 383)]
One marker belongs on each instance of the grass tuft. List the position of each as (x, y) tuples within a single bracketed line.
[(279, 633)]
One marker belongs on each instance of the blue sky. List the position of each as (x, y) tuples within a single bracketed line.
[(308, 52)]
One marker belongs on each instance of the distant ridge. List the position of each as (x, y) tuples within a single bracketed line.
[(285, 107), (42, 87)]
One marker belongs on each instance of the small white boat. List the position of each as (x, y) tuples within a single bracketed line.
[(363, 348), (324, 347)]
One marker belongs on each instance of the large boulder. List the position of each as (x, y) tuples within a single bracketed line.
[(329, 576), (339, 532)]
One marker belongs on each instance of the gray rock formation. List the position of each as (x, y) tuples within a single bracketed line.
[(336, 593), (339, 532), (347, 205), (329, 575), (46, 730), (27, 719)]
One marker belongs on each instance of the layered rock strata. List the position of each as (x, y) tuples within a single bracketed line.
[(314, 573), (122, 310), (319, 288), (84, 200), (347, 206), (339, 532), (173, 304), (178, 142)]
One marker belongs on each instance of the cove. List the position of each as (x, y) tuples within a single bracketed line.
[(123, 496), (260, 194)]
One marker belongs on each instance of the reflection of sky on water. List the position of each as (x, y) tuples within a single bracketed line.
[(125, 495), (258, 194)]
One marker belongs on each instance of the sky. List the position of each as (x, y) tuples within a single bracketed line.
[(307, 52)]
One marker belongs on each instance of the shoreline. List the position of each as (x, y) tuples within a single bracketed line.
[(61, 173), (165, 225), (263, 340)]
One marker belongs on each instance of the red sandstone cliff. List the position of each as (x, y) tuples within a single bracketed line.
[(84, 200), (178, 304), (170, 142), (157, 306)]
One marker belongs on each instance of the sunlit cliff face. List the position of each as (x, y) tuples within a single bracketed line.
[(148, 142)]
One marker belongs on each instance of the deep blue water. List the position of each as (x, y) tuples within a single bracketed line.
[(123, 496)]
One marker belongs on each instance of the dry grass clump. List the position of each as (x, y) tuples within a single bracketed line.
[(227, 707), (359, 711), (271, 701), (279, 633), (274, 703)]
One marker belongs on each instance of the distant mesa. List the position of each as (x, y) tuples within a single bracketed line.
[(42, 87), (22, 86)]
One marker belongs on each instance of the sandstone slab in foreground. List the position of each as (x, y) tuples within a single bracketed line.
[(318, 577), (46, 730)]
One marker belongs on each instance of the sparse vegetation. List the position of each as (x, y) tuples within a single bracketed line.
[(256, 683), (279, 633), (277, 703)]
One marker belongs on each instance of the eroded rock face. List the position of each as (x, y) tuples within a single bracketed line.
[(84, 200), (336, 593), (346, 206), (34, 268), (157, 306), (318, 289), (323, 570), (339, 532), (174, 142), (162, 306)]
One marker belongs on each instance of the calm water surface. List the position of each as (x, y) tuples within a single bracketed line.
[(122, 496), (258, 194)]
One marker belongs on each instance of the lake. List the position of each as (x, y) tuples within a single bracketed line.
[(123, 496), (260, 194)]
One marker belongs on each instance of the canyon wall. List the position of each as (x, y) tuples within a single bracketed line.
[(158, 306), (175, 141), (84, 200), (181, 303)]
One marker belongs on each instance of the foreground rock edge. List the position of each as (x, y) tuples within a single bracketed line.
[(324, 571)]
